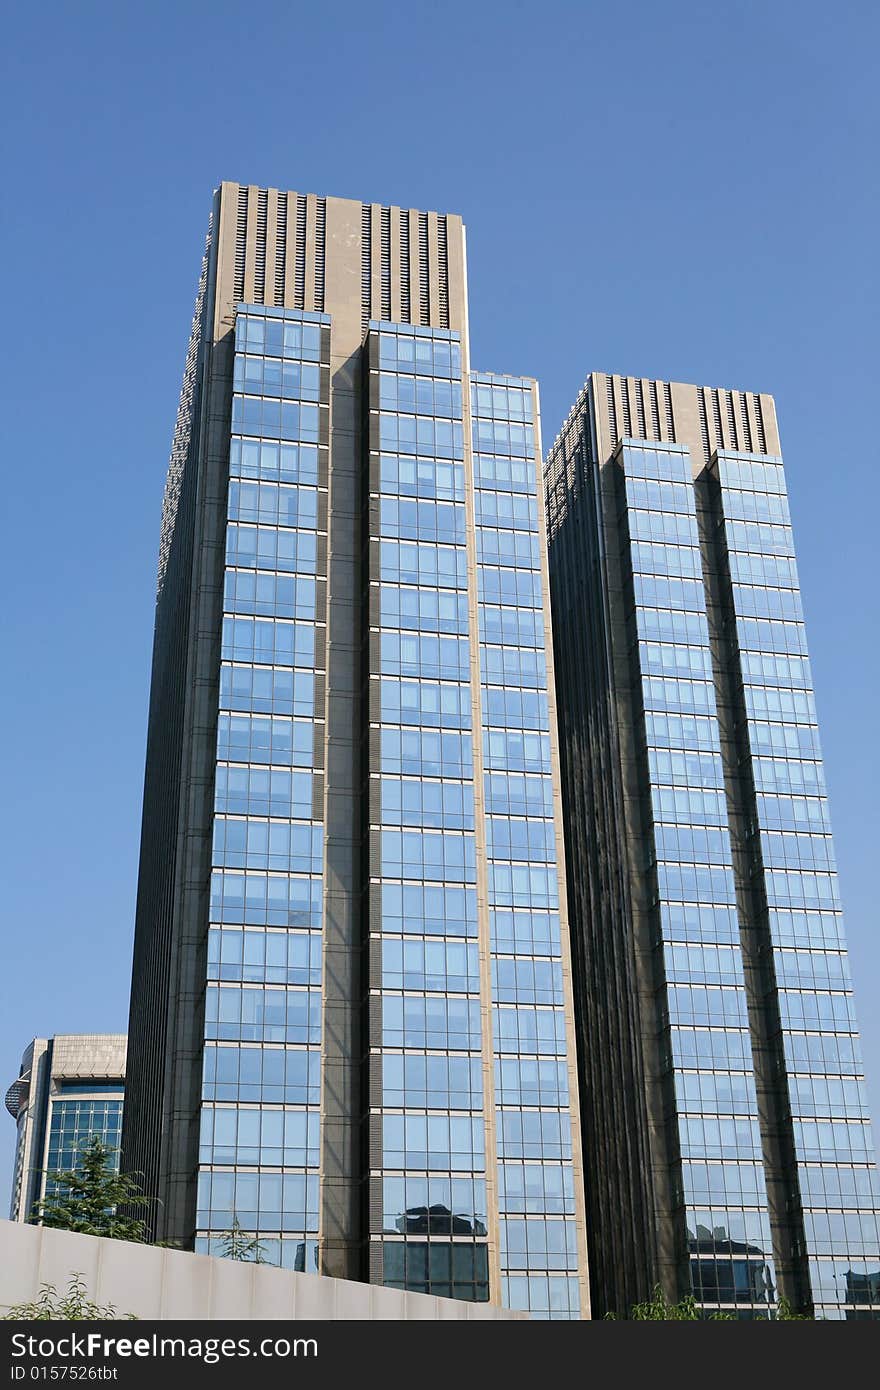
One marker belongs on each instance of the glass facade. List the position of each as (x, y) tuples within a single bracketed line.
[(80, 1112), (469, 1065), (722, 1188), (469, 1180), (259, 1151), (536, 1200), (792, 858), (427, 1061), (711, 977), (364, 869), (340, 904)]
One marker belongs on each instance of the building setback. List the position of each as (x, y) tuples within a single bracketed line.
[(351, 1014), (69, 1088), (726, 1130)]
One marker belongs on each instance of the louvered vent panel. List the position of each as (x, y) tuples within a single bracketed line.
[(759, 416), (704, 422), (320, 253), (299, 274), (260, 249), (716, 411), (627, 418), (365, 266), (281, 249), (667, 406), (744, 417), (405, 302), (424, 299), (385, 261), (377, 1214), (612, 411), (731, 420), (240, 243), (443, 260), (640, 409), (655, 410)]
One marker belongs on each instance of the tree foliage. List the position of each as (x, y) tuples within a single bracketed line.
[(786, 1313), (236, 1244), (72, 1306), (658, 1308), (88, 1198)]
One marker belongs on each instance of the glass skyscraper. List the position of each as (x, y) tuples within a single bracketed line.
[(352, 1015), (69, 1089), (725, 1118)]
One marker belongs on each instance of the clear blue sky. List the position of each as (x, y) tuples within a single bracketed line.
[(680, 190)]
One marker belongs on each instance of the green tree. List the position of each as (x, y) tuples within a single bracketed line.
[(659, 1309), (785, 1312), (72, 1306), (88, 1198), (236, 1244)]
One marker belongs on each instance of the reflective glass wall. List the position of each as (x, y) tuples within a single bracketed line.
[(472, 1192), (260, 1117), (792, 859), (706, 923), (539, 1253), (428, 1136), (311, 1015), (721, 1185), (78, 1113)]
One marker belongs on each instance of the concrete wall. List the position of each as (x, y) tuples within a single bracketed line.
[(168, 1284), (88, 1055)]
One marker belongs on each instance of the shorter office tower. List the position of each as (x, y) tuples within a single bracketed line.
[(726, 1130), (68, 1089)]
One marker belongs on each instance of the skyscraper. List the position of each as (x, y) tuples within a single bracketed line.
[(351, 1016), (68, 1089), (726, 1130)]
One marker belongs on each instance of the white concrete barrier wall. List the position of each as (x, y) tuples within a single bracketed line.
[(155, 1283)]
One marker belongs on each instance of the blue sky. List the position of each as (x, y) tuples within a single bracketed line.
[(686, 191)]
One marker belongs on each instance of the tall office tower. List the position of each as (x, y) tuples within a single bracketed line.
[(725, 1120), (351, 1002), (68, 1089)]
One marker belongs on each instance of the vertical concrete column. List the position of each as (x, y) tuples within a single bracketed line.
[(771, 427), (250, 258), (396, 304), (311, 223), (483, 926), (617, 387), (290, 253), (375, 261), (271, 243), (686, 414), (456, 257), (415, 312), (661, 410), (433, 270)]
